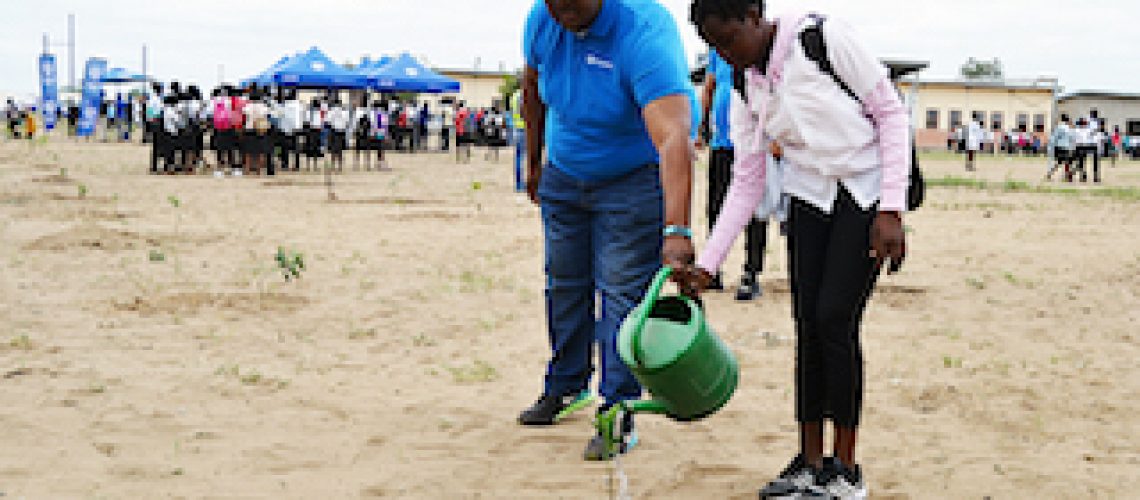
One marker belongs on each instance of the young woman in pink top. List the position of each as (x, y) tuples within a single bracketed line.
[(844, 136)]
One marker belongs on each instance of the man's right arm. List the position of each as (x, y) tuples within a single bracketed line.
[(534, 114)]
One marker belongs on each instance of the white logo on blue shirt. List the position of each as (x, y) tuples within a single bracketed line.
[(594, 60)]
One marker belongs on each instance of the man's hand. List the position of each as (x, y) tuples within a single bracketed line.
[(888, 241), (677, 252)]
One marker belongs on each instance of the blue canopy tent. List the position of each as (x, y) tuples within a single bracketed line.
[(313, 69), (405, 74), (120, 75), (266, 77)]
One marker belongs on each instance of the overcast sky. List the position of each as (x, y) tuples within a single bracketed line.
[(1091, 44)]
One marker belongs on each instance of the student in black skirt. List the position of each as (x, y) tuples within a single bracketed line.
[(362, 134), (312, 132), (338, 135)]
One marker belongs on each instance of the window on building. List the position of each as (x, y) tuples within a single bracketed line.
[(1039, 123), (1022, 122), (955, 119), (978, 116), (932, 119), (996, 120)]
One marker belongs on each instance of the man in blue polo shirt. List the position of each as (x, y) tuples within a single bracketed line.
[(715, 104), (606, 91)]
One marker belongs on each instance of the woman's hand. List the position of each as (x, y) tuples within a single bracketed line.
[(888, 241)]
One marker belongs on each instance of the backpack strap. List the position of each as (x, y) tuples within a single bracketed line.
[(815, 48)]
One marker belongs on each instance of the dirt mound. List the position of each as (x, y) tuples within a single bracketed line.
[(54, 179), (194, 302), (95, 236), (387, 200)]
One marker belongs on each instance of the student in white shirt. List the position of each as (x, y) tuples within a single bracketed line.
[(361, 127), (1062, 142), (846, 177), (289, 124), (257, 128), (338, 118), (973, 143), (1086, 145), (170, 120)]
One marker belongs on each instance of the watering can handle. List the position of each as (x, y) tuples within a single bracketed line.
[(647, 304)]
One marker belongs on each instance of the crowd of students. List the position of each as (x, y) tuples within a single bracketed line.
[(1068, 144), (256, 129)]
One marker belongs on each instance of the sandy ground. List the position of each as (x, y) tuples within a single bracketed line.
[(150, 347)]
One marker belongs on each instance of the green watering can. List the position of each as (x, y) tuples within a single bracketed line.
[(671, 350)]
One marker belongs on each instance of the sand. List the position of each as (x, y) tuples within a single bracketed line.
[(150, 347)]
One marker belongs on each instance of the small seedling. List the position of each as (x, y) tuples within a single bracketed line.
[(480, 371), (22, 342), (976, 283), (82, 191), (476, 186), (369, 333), (290, 263), (174, 201), (156, 256), (63, 173)]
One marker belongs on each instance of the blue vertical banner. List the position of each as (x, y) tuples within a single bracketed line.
[(49, 96), (92, 95)]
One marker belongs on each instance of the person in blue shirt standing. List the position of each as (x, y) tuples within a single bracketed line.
[(715, 109), (607, 93)]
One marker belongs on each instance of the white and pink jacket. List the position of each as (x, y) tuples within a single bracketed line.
[(826, 136)]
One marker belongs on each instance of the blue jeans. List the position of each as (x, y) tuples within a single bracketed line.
[(602, 237), (520, 155)]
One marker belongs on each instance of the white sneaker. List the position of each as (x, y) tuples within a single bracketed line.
[(842, 482), (798, 480)]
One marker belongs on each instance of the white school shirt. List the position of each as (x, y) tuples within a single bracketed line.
[(338, 118), (289, 117), (974, 136), (824, 134), (170, 118), (1084, 136), (254, 110)]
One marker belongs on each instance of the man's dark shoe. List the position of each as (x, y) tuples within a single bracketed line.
[(545, 411), (749, 288)]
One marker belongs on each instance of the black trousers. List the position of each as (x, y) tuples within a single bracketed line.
[(832, 277), (756, 235), (1083, 152), (288, 144)]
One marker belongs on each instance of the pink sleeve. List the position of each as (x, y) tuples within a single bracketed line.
[(744, 195), (893, 127)]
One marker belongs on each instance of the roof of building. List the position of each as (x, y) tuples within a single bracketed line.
[(1042, 84), (1100, 94), (475, 72)]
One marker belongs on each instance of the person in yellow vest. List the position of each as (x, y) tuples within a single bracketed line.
[(518, 137), (30, 123)]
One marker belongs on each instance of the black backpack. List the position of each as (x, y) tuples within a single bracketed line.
[(815, 48)]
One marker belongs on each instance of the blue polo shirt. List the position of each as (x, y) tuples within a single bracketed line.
[(722, 99), (596, 83)]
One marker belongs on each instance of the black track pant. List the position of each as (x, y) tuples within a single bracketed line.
[(1083, 153), (832, 276), (756, 235)]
